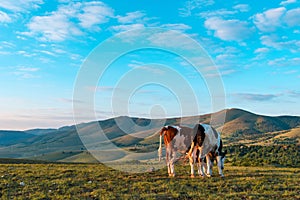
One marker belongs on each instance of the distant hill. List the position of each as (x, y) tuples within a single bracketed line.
[(64, 144), (13, 137), (240, 121)]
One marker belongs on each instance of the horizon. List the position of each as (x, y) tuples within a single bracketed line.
[(250, 48), (171, 117)]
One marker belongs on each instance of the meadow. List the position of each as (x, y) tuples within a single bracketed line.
[(97, 181)]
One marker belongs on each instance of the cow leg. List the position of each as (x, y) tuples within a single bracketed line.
[(209, 166), (200, 167), (168, 160), (171, 155), (219, 163), (172, 161), (192, 160)]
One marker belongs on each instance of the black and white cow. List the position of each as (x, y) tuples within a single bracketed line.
[(207, 144), (200, 139)]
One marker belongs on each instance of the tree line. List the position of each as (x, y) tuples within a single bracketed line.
[(274, 155)]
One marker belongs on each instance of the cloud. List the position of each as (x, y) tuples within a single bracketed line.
[(26, 53), (293, 93), (61, 24), (219, 73), (284, 3), (26, 72), (262, 50), (55, 27), (292, 17), (280, 43), (191, 5), (126, 27), (4, 18), (228, 30), (179, 27), (242, 7), (132, 20), (94, 13), (21, 5), (132, 17), (171, 39), (67, 100), (291, 72), (255, 97), (142, 66), (269, 20), (216, 13), (28, 69), (284, 62)]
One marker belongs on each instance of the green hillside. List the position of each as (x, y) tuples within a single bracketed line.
[(140, 135)]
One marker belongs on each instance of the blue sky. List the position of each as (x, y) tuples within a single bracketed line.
[(255, 45)]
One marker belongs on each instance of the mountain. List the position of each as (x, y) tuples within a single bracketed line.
[(140, 135), (241, 121), (13, 137)]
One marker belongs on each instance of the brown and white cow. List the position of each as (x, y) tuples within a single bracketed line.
[(198, 143), (176, 139), (207, 144)]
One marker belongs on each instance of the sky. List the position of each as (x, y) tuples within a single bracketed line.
[(254, 45)]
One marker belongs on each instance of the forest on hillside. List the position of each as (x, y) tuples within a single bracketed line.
[(274, 155)]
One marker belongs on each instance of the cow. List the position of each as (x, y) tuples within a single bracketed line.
[(206, 144), (176, 139), (198, 143)]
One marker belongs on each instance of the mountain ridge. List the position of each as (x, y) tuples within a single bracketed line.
[(64, 143)]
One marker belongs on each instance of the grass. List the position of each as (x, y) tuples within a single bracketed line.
[(96, 181)]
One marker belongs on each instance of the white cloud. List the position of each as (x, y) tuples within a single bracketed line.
[(171, 39), (269, 20), (292, 17), (191, 5), (280, 43), (291, 72), (179, 27), (61, 24), (132, 17), (216, 13), (284, 3), (219, 73), (262, 50), (47, 53), (21, 5), (228, 30), (126, 27), (28, 69), (55, 27), (94, 13), (7, 44), (242, 7), (256, 97), (284, 62), (4, 18), (26, 72), (26, 53)]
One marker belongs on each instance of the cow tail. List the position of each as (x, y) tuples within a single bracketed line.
[(160, 148)]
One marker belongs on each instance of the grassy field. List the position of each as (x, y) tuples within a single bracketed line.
[(96, 181)]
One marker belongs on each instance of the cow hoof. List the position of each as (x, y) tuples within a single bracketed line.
[(192, 176), (208, 175), (171, 175)]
